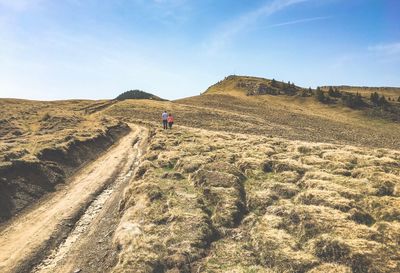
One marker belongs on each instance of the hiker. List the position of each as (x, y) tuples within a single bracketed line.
[(170, 120), (164, 119)]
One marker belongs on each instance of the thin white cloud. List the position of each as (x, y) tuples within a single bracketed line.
[(300, 21), (167, 11), (388, 49), (232, 28)]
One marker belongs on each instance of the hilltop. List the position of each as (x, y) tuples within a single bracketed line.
[(253, 86), (137, 95)]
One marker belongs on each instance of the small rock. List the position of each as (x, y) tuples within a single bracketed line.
[(78, 270)]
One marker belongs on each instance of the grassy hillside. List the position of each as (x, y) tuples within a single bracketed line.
[(288, 117), (255, 176), (292, 115), (42, 143), (204, 201)]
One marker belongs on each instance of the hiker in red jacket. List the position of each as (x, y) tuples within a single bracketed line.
[(170, 120)]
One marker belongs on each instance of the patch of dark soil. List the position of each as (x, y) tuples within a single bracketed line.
[(9, 128), (23, 182)]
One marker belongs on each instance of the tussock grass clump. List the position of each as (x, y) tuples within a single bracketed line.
[(228, 206), (390, 232), (188, 167), (224, 195), (158, 145), (331, 268), (259, 201), (288, 177), (360, 216), (330, 249), (359, 254), (158, 231), (248, 165), (314, 160), (168, 159), (284, 166), (204, 178), (308, 148), (324, 198), (278, 249), (284, 190), (349, 193), (143, 168), (308, 221), (349, 158), (226, 168), (385, 208)]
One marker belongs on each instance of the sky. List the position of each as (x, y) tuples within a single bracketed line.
[(96, 49)]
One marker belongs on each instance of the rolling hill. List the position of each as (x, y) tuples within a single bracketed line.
[(256, 175)]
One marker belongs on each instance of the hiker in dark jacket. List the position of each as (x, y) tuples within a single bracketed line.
[(164, 117)]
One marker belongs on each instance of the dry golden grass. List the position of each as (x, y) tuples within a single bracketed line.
[(27, 127), (225, 107), (223, 202), (42, 143)]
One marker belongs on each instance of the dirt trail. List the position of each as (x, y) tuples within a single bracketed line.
[(91, 194)]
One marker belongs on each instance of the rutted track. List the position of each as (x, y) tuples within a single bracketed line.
[(70, 217)]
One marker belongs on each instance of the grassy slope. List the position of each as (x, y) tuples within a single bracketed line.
[(42, 143), (30, 126), (226, 107), (243, 203), (289, 117), (206, 201)]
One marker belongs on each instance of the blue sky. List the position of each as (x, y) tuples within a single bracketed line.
[(176, 48)]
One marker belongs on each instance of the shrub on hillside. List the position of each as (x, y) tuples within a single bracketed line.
[(374, 98), (306, 92), (379, 100), (290, 89), (320, 96), (334, 93), (353, 101)]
